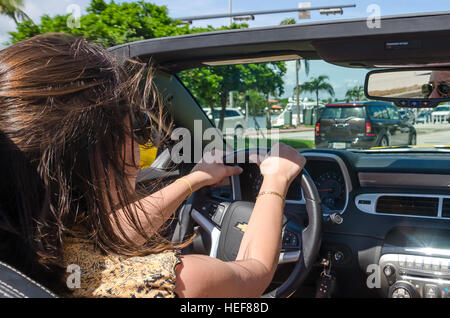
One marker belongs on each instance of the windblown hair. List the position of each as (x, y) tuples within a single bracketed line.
[(66, 109)]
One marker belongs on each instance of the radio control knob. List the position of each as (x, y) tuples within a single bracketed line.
[(402, 290), (389, 270)]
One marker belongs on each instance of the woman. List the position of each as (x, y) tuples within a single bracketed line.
[(70, 120)]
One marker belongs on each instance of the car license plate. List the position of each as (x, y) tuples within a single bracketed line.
[(339, 145)]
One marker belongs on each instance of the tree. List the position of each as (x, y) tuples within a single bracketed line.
[(109, 24), (356, 93), (213, 84), (12, 9), (316, 85), (288, 21)]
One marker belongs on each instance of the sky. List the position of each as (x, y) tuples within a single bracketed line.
[(340, 79)]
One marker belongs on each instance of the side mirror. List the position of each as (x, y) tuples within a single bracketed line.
[(409, 87)]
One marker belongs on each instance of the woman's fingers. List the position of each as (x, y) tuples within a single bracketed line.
[(233, 170)]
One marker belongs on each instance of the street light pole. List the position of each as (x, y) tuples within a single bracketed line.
[(297, 93), (230, 11), (253, 13)]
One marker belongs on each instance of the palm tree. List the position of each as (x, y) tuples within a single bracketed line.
[(316, 85), (355, 93), (12, 9)]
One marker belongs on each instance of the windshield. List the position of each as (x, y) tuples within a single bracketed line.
[(310, 104), (343, 112)]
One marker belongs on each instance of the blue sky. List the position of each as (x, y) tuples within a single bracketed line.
[(181, 8)]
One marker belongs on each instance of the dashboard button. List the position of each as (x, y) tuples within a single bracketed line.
[(431, 291), (445, 266), (402, 260), (410, 262), (427, 264), (418, 263), (436, 265)]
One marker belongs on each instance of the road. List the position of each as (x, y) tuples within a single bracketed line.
[(439, 135)]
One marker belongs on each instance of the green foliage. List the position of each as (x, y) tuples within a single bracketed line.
[(211, 85), (317, 85), (356, 93), (110, 23), (12, 9), (298, 144), (288, 21)]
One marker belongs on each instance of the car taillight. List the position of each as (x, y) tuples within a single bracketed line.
[(369, 131), (317, 129)]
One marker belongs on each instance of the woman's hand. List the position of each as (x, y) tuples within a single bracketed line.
[(281, 166), (211, 170)]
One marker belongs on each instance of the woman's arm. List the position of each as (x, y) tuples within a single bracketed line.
[(154, 210), (255, 265)]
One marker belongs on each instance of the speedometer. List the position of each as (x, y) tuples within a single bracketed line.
[(331, 187)]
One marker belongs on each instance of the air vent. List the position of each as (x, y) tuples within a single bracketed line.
[(446, 208), (406, 205)]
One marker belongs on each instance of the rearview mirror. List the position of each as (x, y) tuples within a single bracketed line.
[(409, 87)]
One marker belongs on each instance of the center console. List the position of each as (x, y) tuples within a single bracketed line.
[(416, 264), (413, 276)]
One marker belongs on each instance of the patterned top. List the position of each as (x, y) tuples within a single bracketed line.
[(118, 276)]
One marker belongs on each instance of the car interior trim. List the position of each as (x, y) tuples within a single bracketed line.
[(367, 202), (213, 231), (342, 166), (371, 179)]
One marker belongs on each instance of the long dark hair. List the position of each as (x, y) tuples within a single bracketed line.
[(66, 109)]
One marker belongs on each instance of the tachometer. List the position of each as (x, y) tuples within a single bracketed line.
[(331, 187)]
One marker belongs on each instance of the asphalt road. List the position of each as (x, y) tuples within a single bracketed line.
[(437, 135)]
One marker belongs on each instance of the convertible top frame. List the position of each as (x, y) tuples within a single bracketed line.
[(348, 43)]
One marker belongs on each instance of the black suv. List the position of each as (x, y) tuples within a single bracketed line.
[(362, 125)]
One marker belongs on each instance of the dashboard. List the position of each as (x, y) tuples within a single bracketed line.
[(326, 174), (396, 216)]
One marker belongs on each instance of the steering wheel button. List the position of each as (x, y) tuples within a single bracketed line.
[(219, 214)]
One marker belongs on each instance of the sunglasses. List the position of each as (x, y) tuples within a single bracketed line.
[(142, 128), (443, 89)]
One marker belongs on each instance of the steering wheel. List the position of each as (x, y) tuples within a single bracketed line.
[(225, 222)]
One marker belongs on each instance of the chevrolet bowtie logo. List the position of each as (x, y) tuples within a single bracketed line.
[(241, 226)]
